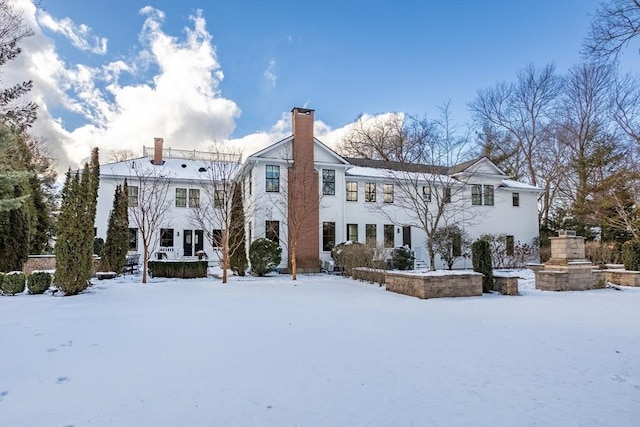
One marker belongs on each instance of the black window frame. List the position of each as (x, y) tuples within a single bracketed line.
[(515, 199), (328, 236), (272, 178), (387, 196), (350, 234), (488, 196), (388, 233), (194, 198), (166, 236), (351, 192), (132, 196), (476, 195), (133, 239), (371, 234), (370, 192), (328, 182), (182, 199), (272, 230)]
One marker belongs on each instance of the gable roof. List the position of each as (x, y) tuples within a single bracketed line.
[(275, 146)]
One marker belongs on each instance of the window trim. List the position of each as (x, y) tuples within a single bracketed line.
[(167, 235), (350, 229), (515, 199), (489, 198), (181, 198), (370, 192), (351, 192), (476, 195), (132, 196), (328, 241), (328, 182), (272, 183), (387, 196), (388, 230), (194, 202)]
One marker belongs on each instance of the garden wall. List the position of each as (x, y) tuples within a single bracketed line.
[(435, 285)]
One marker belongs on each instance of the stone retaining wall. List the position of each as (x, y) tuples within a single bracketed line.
[(506, 285), (622, 277), (48, 262), (435, 286)]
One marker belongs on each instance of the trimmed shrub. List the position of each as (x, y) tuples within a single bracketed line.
[(38, 282), (631, 255), (13, 283), (178, 269), (403, 258), (481, 258), (349, 255), (265, 256), (373, 275)]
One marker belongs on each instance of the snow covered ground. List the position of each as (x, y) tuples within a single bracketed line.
[(322, 351)]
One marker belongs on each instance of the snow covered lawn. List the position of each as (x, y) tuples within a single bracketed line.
[(325, 351)]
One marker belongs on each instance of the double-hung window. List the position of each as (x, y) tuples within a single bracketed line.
[(387, 193), (352, 191), (272, 184), (181, 197), (488, 195), (132, 198), (194, 198), (369, 191), (328, 182)]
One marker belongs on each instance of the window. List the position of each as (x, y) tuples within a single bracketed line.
[(216, 238), (510, 245), (456, 245), (133, 196), (218, 199), (515, 198), (352, 191), (476, 194), (369, 191), (328, 235), (133, 239), (488, 195), (272, 231), (328, 182), (166, 237), (446, 196), (387, 190), (388, 236), (194, 198), (273, 179), (370, 234), (352, 232), (181, 197), (426, 193)]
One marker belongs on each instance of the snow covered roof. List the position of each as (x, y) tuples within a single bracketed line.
[(182, 169), (517, 185)]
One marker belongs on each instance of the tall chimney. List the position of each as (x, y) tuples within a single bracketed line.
[(157, 151), (304, 199)]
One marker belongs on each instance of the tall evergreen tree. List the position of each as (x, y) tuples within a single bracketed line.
[(115, 249), (14, 237), (237, 243), (74, 247)]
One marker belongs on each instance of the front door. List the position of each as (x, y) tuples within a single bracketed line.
[(406, 236), (198, 240), (188, 242)]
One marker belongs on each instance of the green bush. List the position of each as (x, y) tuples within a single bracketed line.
[(265, 256), (178, 269), (38, 282), (349, 255), (481, 259), (403, 258), (631, 255), (13, 283)]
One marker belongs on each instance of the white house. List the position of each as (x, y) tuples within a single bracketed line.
[(299, 186)]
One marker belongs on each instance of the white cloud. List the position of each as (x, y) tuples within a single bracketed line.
[(181, 103), (270, 74), (79, 35)]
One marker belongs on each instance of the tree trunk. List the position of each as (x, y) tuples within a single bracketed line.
[(145, 262), (294, 263), (432, 256)]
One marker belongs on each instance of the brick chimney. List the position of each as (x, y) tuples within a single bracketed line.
[(304, 203), (157, 151)]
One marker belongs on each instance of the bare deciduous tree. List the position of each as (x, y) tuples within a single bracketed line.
[(297, 202), (428, 181), (149, 208), (121, 155), (215, 208), (614, 25)]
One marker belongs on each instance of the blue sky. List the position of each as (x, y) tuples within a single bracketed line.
[(261, 58)]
